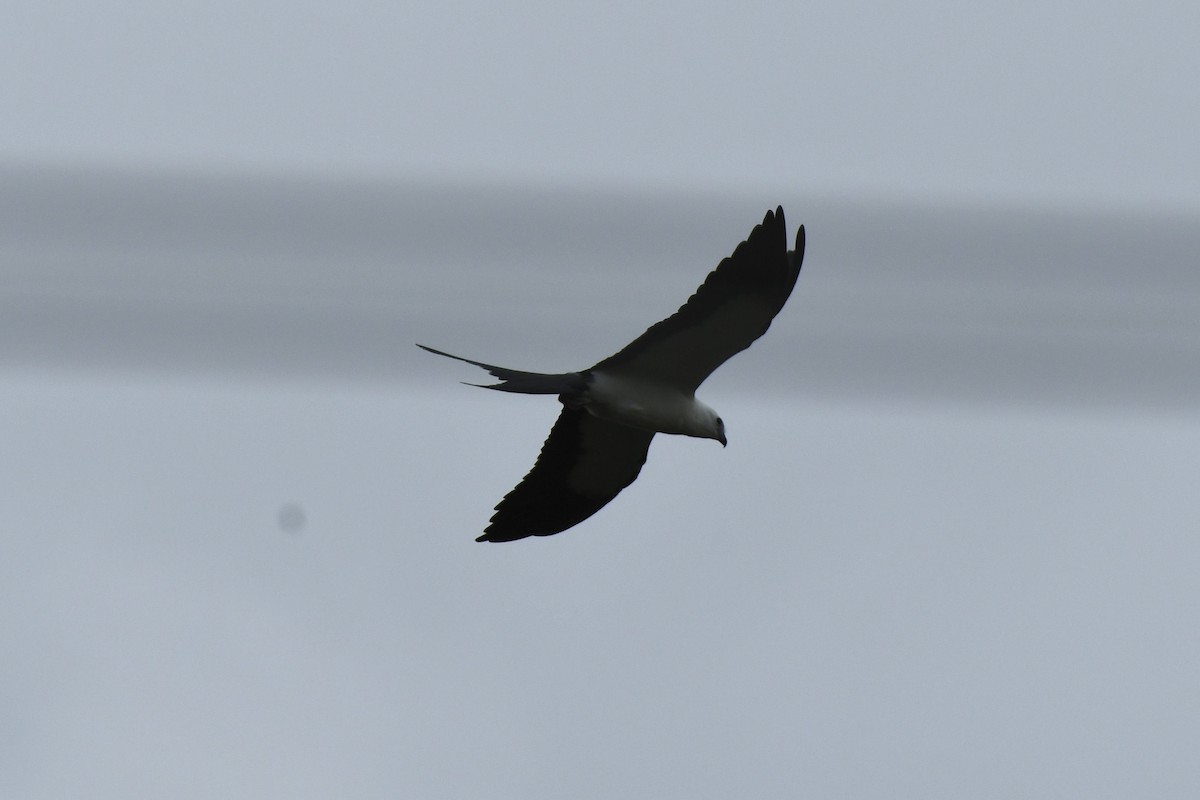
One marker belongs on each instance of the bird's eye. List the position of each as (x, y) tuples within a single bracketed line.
[(720, 424)]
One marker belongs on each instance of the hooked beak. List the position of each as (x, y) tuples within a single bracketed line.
[(722, 440)]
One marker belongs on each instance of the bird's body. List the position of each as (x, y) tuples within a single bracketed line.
[(612, 411), (650, 406)]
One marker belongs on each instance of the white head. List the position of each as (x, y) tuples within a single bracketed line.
[(708, 424)]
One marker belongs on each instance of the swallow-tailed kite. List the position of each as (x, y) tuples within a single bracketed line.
[(612, 410)]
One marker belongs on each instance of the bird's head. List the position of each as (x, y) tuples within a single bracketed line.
[(710, 425)]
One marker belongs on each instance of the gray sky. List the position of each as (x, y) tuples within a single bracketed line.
[(933, 602), (1073, 102), (950, 548), (290, 277), (949, 552)]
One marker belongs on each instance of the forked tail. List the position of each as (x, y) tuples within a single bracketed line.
[(515, 380)]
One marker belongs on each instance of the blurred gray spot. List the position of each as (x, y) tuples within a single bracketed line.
[(291, 518)]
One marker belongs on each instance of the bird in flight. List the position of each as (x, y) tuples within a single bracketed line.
[(612, 410)]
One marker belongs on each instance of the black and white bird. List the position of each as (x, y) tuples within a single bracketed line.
[(612, 410)]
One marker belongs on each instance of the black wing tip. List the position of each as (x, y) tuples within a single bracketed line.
[(498, 538), (549, 516), (774, 217), (774, 222), (496, 533), (797, 251)]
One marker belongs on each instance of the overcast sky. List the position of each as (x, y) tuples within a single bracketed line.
[(1076, 102), (950, 551)]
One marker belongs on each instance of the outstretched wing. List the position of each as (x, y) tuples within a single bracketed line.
[(584, 464), (733, 307)]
